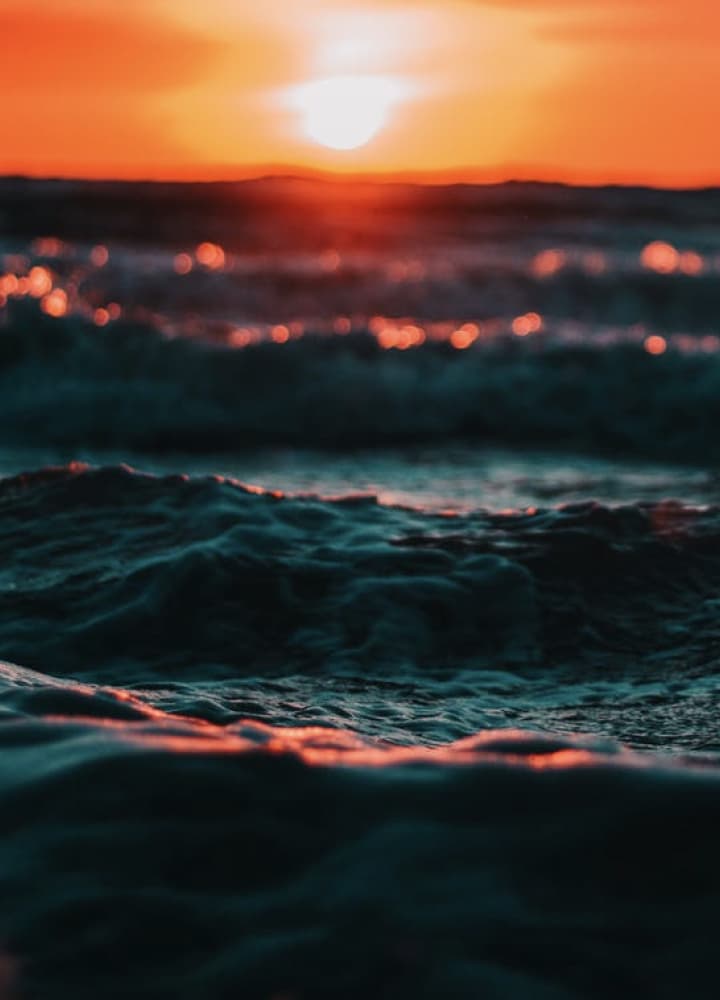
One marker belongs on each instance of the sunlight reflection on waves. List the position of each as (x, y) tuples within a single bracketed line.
[(151, 729)]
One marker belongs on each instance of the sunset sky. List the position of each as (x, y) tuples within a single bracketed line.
[(579, 90)]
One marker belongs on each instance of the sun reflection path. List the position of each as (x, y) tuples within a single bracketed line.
[(68, 281)]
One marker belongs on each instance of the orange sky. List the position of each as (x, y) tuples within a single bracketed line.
[(580, 90)]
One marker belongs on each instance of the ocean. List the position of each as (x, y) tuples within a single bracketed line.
[(359, 592)]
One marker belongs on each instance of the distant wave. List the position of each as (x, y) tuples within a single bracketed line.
[(64, 383), (164, 575)]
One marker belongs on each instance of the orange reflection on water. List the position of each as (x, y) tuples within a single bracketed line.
[(297, 329), (661, 257), (404, 338), (376, 324), (464, 336), (211, 256), (655, 345), (47, 246), (342, 326), (240, 338), (548, 262), (40, 282), (416, 335), (322, 747), (8, 284), (155, 729), (280, 334), (318, 746), (400, 336), (387, 337), (260, 491), (55, 304), (523, 326), (691, 263)]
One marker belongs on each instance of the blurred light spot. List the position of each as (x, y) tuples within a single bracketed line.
[(387, 337), (183, 263), (40, 282), (691, 263), (547, 263), (416, 335), (661, 257), (403, 339), (296, 328), (531, 322), (342, 325), (280, 334), (55, 304), (240, 338), (114, 310), (536, 322), (99, 256), (211, 256), (101, 317), (47, 246), (465, 336), (655, 345), (9, 284)]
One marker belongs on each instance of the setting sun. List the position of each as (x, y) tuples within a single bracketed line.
[(346, 112), (587, 91)]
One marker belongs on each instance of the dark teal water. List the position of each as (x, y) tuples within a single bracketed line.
[(359, 614)]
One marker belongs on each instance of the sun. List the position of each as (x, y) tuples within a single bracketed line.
[(346, 112)]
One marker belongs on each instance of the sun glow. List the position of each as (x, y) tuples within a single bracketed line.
[(346, 112)]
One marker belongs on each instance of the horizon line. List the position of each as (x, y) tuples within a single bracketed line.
[(452, 177)]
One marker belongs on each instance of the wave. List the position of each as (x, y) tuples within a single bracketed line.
[(62, 383), (286, 746), (110, 574), (307, 862)]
